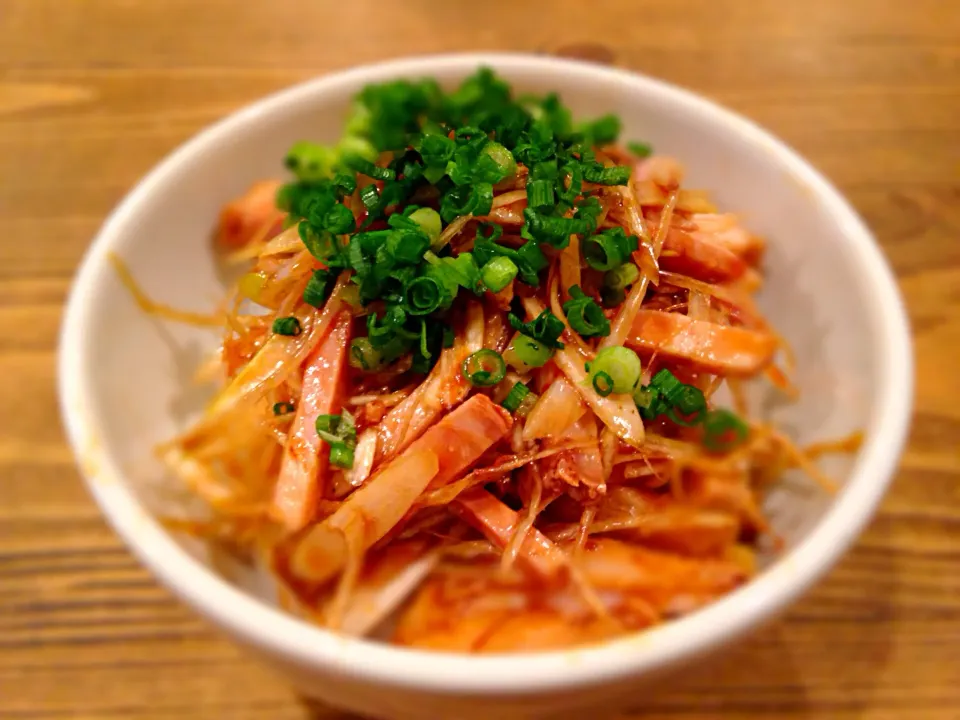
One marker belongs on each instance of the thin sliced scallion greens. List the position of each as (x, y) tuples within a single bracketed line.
[(484, 368), (621, 365)]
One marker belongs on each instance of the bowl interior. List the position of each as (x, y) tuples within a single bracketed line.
[(136, 371)]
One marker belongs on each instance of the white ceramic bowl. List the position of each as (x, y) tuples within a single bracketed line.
[(124, 382)]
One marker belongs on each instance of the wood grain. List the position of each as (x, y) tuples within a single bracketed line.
[(93, 93)]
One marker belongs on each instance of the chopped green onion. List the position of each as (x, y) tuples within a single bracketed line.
[(370, 197), (640, 149), (287, 326), (666, 382), (602, 131), (587, 215), (584, 315), (283, 408), (450, 148), (498, 273), (723, 430), (436, 151), (345, 183), (611, 297), (406, 246), (327, 425), (341, 455), (528, 403), (525, 353), (358, 121), (423, 295), (540, 193), (602, 383), (689, 405), (615, 283), (531, 260), (684, 404), (428, 220), (339, 220), (616, 175), (322, 244), (621, 365), (355, 146), (609, 249), (515, 397), (488, 231), (309, 161), (484, 368), (686, 398), (545, 328), (363, 166), (648, 402), (551, 229), (621, 277), (476, 199), (364, 356), (317, 289), (503, 161), (351, 296), (340, 433), (459, 271)]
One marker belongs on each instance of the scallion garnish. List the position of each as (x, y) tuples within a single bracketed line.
[(622, 277), (684, 404), (647, 401), (363, 166), (340, 433), (602, 131), (515, 397), (504, 165), (287, 326), (498, 273), (640, 149), (341, 455), (611, 297), (621, 365), (723, 431), (283, 408), (680, 397), (609, 248), (525, 353), (584, 315), (484, 368), (689, 405), (364, 356), (540, 193), (370, 197), (529, 259), (309, 161), (428, 221), (318, 288), (616, 175), (546, 328), (476, 199), (449, 149), (423, 295), (602, 383)]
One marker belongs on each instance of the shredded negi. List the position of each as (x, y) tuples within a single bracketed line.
[(478, 390)]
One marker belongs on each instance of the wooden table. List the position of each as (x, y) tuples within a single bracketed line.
[(93, 93)]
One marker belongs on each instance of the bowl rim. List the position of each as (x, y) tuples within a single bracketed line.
[(283, 636)]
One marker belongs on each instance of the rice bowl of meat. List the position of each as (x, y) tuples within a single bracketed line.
[(510, 398)]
